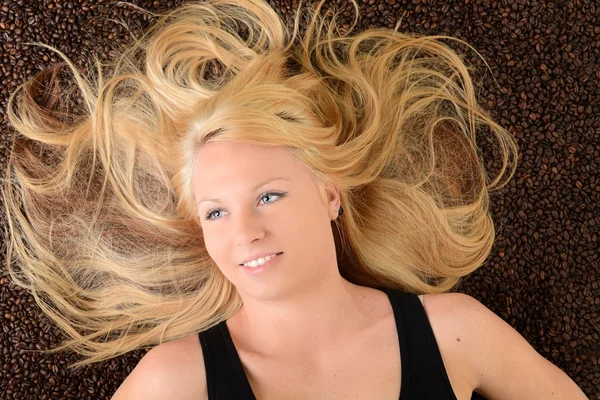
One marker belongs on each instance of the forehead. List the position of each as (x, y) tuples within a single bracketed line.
[(242, 165)]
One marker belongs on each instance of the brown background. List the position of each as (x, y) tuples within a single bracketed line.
[(542, 275)]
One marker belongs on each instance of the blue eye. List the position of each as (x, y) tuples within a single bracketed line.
[(270, 194), (208, 216), (210, 213)]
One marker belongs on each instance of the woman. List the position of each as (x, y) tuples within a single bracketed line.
[(263, 210)]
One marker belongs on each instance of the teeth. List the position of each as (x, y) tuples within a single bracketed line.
[(259, 261)]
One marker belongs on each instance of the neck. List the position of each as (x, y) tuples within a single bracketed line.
[(309, 320)]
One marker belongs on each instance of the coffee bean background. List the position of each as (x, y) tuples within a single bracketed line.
[(542, 275)]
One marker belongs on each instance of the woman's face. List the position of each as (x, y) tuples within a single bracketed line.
[(264, 202)]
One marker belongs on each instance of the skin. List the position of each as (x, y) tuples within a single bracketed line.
[(301, 309), (300, 303)]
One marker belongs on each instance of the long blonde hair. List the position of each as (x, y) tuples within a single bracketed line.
[(102, 223)]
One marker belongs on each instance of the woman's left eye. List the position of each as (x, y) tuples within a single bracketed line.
[(271, 194)]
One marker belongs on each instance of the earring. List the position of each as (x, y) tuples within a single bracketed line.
[(341, 210)]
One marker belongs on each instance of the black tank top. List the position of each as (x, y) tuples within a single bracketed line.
[(423, 373)]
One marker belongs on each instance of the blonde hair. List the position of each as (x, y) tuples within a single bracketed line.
[(101, 215)]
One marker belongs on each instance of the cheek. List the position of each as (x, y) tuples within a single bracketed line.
[(213, 246), (306, 225), (218, 252)]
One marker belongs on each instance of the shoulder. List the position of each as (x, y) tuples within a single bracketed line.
[(461, 324), (446, 310), (173, 369), (493, 352), (448, 314)]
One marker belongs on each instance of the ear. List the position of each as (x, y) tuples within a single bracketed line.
[(333, 200)]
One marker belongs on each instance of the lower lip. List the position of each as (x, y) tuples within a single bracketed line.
[(258, 269)]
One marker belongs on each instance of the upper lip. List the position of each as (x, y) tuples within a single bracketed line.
[(256, 256)]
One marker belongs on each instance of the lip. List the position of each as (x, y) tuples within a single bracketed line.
[(257, 256), (260, 268)]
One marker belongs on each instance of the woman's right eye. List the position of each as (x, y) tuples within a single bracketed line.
[(210, 213)]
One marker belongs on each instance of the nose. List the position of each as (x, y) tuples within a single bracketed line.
[(248, 227)]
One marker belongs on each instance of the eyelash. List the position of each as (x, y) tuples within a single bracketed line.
[(207, 217)]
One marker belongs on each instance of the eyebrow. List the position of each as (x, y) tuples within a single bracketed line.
[(253, 188)]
